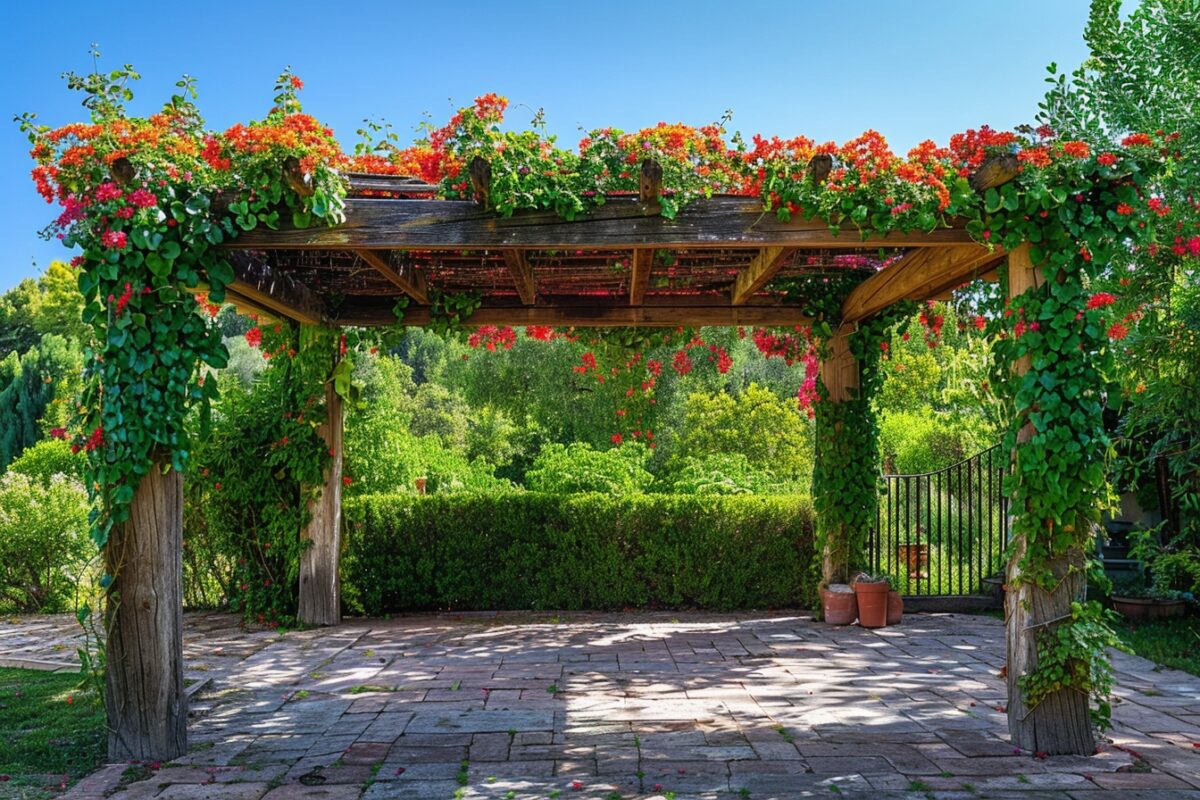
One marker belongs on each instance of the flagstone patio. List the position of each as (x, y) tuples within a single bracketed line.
[(627, 705)]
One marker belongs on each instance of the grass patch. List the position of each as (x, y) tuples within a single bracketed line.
[(368, 688), (1171, 643), (43, 737)]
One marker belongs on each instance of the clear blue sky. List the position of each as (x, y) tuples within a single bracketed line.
[(828, 70)]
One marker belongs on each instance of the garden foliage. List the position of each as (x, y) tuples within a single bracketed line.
[(586, 551)]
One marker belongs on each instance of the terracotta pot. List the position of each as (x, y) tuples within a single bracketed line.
[(839, 603), (895, 608), (915, 557), (872, 603), (1148, 607)]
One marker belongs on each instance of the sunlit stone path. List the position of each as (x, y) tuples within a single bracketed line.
[(629, 705)]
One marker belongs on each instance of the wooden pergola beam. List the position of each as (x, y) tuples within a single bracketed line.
[(587, 316), (415, 288), (919, 275), (639, 275), (274, 291), (522, 275), (759, 273), (620, 224)]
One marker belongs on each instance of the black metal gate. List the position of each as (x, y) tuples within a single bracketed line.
[(942, 533)]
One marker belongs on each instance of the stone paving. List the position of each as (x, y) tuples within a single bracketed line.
[(633, 705)]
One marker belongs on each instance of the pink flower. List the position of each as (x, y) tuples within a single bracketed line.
[(143, 198), (108, 191), (113, 240)]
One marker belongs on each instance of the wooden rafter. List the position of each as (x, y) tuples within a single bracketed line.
[(639, 275), (920, 275), (761, 270), (276, 292), (414, 288), (586, 316), (522, 275), (620, 224)]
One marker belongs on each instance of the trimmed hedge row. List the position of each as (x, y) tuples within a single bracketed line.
[(535, 551)]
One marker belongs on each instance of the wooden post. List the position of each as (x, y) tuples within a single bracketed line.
[(320, 585), (839, 374), (144, 697), (1060, 723)]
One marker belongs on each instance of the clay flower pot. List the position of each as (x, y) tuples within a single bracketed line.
[(1148, 607), (839, 604), (872, 603), (895, 608)]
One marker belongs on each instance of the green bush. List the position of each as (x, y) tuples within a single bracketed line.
[(584, 551), (578, 468), (44, 543), (48, 458)]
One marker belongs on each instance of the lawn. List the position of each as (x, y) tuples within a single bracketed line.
[(1169, 642), (51, 733)]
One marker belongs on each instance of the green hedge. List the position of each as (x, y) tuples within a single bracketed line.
[(535, 551)]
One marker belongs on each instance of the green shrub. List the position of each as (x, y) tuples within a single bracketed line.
[(579, 468), (724, 473), (584, 551), (44, 543), (48, 458)]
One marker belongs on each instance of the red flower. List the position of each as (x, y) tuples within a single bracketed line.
[(980, 323), (1137, 140), (1100, 300), (1157, 205), (123, 300), (617, 439), (108, 191), (254, 337), (1124, 209), (296, 82), (95, 441), (113, 240), (1077, 149), (58, 433), (1106, 159), (682, 364), (143, 198), (1117, 331), (347, 480)]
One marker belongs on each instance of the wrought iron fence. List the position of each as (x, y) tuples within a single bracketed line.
[(942, 533)]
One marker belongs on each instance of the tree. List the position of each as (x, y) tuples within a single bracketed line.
[(770, 433)]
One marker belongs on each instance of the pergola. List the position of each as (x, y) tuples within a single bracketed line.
[(622, 265)]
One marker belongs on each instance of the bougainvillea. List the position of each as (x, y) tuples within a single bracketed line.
[(139, 198)]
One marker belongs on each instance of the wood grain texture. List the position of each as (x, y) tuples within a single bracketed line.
[(839, 373), (275, 291), (415, 287), (620, 224), (1060, 724), (144, 693), (920, 275), (587, 316), (995, 172), (639, 276), (650, 185), (320, 584), (759, 273), (522, 275)]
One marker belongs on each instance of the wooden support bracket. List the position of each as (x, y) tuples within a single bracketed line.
[(522, 275), (414, 287)]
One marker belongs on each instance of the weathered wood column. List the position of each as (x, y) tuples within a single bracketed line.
[(1060, 723), (840, 376), (144, 697), (320, 583)]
